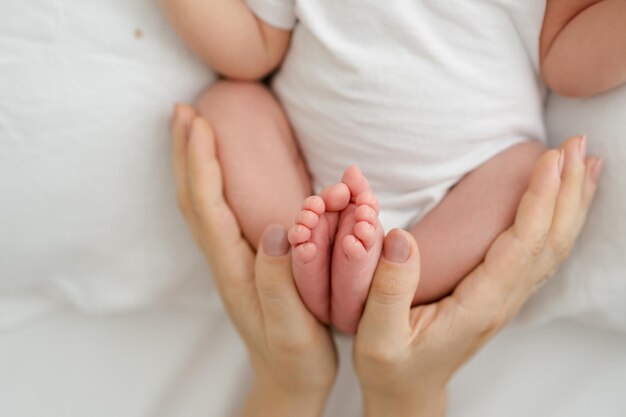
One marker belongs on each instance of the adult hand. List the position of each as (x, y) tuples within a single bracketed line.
[(292, 354), (405, 356)]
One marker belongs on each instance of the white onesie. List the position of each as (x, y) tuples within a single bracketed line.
[(417, 93)]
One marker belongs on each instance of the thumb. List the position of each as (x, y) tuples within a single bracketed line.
[(386, 315), (284, 314)]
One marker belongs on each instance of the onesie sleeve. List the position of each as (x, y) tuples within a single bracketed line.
[(278, 13)]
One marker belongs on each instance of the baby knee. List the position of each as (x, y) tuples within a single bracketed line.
[(233, 97)]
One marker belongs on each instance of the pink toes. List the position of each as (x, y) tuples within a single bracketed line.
[(336, 197), (306, 220), (366, 233), (367, 198), (362, 239), (311, 236), (366, 216), (356, 182), (303, 249), (315, 204), (366, 213), (343, 223), (301, 233)]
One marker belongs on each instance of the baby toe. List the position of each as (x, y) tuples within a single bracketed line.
[(368, 198), (307, 218), (315, 204), (298, 234), (336, 197), (365, 213), (366, 233), (355, 180)]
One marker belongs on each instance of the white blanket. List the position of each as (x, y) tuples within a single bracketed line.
[(88, 224), (88, 214)]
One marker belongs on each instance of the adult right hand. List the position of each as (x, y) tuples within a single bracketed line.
[(405, 356), (292, 354)]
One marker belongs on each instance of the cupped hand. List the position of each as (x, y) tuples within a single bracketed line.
[(292, 354), (405, 356)]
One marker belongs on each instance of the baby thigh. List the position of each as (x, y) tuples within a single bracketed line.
[(265, 178), (454, 237)]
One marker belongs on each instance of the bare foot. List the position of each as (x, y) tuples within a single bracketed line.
[(312, 239), (356, 251)]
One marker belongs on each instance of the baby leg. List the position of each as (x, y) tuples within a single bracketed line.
[(356, 251), (265, 179), (454, 237)]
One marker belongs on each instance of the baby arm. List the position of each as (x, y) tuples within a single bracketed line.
[(583, 46), (228, 36)]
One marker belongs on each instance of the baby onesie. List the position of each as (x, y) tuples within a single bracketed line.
[(417, 93)]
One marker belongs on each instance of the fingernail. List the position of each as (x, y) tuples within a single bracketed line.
[(582, 149), (396, 247), (275, 240), (596, 170)]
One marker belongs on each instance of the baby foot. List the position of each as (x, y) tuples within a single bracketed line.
[(356, 251), (312, 237)]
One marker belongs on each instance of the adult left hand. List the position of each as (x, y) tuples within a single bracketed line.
[(405, 356), (292, 354)]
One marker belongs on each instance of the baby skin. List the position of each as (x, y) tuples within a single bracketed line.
[(337, 237)]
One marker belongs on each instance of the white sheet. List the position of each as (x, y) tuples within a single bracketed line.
[(87, 214), (89, 231), (170, 362)]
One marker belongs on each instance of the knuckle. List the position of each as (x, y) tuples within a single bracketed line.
[(524, 251), (536, 246), (387, 291), (379, 354), (532, 245), (489, 320), (560, 248), (271, 290), (531, 249)]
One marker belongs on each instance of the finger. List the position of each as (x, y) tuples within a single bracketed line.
[(569, 220), (230, 257), (593, 170), (562, 233), (386, 314), (180, 126), (220, 229), (495, 290), (537, 206), (284, 315)]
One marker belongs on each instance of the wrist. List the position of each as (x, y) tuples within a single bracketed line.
[(423, 404), (267, 399)]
